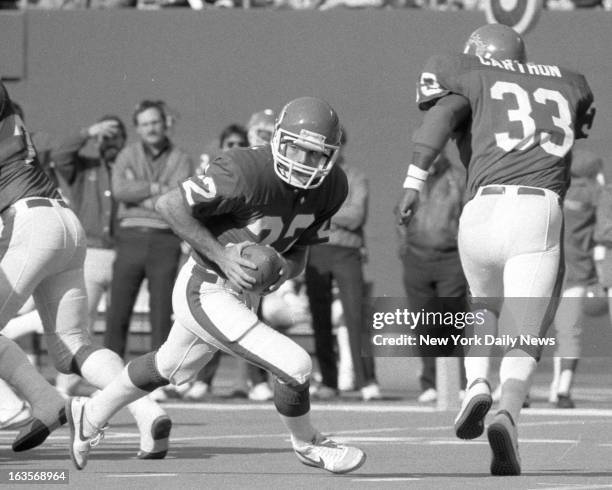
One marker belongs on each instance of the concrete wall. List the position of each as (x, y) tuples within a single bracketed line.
[(215, 67)]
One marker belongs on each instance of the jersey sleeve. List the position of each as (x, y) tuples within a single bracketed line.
[(439, 77), (218, 191), (318, 231)]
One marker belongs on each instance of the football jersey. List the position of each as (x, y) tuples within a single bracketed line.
[(240, 198), (524, 117), (20, 172)]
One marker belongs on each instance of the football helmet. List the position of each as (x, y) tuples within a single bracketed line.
[(496, 41), (306, 142), (260, 127)]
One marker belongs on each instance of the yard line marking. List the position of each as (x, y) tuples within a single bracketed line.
[(138, 475), (379, 480), (572, 486), (349, 407), (357, 407)]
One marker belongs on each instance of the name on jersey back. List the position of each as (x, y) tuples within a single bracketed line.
[(527, 68)]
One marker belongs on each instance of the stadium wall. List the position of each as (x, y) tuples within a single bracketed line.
[(213, 67)]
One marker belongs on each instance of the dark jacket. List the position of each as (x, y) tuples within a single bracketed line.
[(434, 226)]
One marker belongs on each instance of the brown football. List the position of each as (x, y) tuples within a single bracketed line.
[(268, 264)]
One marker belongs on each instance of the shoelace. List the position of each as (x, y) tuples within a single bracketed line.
[(95, 440)]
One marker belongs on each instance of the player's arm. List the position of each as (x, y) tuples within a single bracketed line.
[(172, 208), (438, 124)]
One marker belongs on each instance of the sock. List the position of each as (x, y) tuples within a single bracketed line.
[(476, 367), (515, 374), (101, 367), (9, 401), (116, 395), (566, 378), (293, 406), (15, 368), (300, 427)]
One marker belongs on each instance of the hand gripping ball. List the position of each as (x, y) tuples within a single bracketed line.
[(269, 265)]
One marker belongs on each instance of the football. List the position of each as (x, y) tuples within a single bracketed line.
[(269, 265)]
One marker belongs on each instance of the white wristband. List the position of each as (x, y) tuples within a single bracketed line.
[(414, 183), (416, 178), (419, 173)]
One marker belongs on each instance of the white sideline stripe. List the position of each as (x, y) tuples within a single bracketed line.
[(138, 475), (378, 480), (572, 487), (355, 407)]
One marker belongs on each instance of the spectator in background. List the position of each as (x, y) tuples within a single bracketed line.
[(603, 235), (145, 246), (233, 135), (579, 211), (430, 260), (260, 127), (341, 259), (88, 176)]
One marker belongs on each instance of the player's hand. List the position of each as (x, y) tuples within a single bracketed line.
[(283, 276), (103, 129), (407, 206), (234, 266)]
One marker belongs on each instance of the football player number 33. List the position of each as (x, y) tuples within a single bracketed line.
[(523, 114)]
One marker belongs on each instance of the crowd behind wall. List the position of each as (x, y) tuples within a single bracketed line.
[(285, 4)]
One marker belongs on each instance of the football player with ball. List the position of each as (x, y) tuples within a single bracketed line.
[(249, 220)]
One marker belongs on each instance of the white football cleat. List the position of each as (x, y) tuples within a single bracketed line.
[(469, 423), (79, 444), (329, 455), (503, 439)]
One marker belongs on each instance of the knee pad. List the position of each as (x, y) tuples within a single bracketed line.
[(183, 364), (69, 349), (144, 374), (291, 401)]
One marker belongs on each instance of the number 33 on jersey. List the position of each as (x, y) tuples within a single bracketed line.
[(240, 198), (525, 117)]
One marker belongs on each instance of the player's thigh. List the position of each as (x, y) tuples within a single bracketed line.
[(532, 283), (209, 309), (24, 259), (481, 243), (61, 299), (275, 352)]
